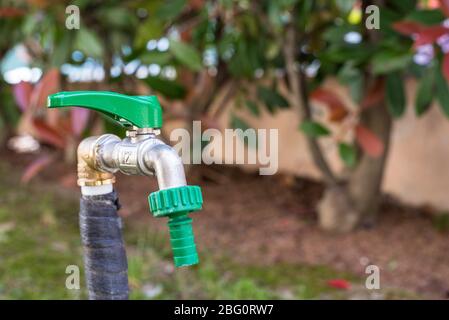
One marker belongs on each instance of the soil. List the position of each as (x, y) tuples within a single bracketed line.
[(272, 219)]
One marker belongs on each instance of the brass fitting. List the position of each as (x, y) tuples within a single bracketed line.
[(88, 169)]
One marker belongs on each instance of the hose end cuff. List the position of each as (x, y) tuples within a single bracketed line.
[(182, 241)]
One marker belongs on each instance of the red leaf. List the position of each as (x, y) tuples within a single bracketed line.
[(196, 4), (48, 134), (430, 34), (339, 284), (375, 94), (65, 126), (68, 180), (444, 5), (50, 83), (407, 28), (79, 118), (369, 142), (210, 123), (336, 107), (35, 167), (445, 67), (22, 93), (424, 34), (11, 12)]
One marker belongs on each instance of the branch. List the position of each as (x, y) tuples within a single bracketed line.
[(230, 93), (298, 87)]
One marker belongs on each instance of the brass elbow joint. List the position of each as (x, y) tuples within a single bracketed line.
[(89, 170)]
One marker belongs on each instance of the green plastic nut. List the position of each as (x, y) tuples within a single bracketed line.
[(139, 111), (176, 204), (174, 200)]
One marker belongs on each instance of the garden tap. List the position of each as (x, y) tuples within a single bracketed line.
[(139, 153)]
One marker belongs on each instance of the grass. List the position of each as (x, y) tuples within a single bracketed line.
[(39, 238), (151, 275)]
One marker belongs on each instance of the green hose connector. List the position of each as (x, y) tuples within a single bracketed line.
[(176, 204)]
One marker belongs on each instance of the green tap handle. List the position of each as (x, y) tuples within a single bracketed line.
[(139, 111)]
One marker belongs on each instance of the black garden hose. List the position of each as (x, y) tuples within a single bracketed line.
[(105, 262)]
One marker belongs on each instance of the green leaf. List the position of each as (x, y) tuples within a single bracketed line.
[(345, 5), (249, 23), (427, 17), (304, 11), (117, 17), (62, 50), (112, 126), (348, 154), (442, 92), (170, 9), (2, 128), (271, 99), (353, 78), (336, 34), (168, 88), (30, 24), (395, 94), (404, 6), (387, 61), (387, 18), (340, 54), (424, 95), (116, 40), (9, 109), (239, 123), (186, 54), (88, 42), (157, 57), (252, 107), (150, 29), (247, 58), (313, 129)]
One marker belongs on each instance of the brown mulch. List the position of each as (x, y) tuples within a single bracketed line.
[(262, 219)]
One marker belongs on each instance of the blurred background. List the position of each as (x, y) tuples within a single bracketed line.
[(356, 89)]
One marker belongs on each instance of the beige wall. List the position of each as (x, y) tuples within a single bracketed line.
[(418, 166)]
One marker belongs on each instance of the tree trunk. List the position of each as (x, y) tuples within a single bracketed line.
[(356, 202), (366, 181)]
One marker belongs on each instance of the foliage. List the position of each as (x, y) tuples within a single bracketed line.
[(199, 47), (393, 58)]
